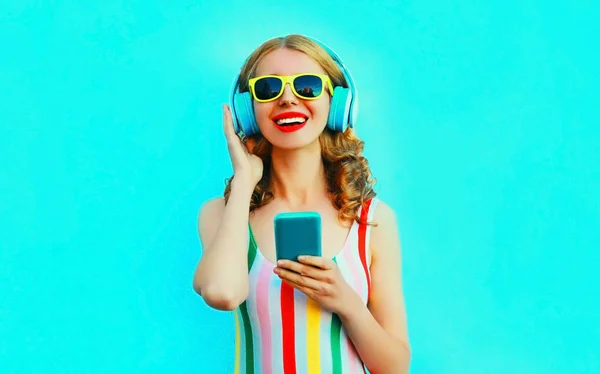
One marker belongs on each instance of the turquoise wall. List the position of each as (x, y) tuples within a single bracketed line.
[(481, 124)]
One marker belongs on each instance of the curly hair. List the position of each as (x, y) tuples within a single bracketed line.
[(348, 176)]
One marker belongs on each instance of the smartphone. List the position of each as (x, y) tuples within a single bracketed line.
[(297, 234)]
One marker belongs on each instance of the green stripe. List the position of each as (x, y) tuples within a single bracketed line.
[(252, 248), (244, 311), (336, 348), (248, 338)]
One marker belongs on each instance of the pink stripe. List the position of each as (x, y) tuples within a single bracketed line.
[(262, 304), (351, 357), (357, 280), (357, 274)]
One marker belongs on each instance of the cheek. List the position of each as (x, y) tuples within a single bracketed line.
[(262, 113), (319, 108)]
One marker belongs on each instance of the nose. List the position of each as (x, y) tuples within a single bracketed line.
[(288, 97)]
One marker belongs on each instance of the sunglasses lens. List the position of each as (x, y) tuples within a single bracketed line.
[(267, 88), (308, 86)]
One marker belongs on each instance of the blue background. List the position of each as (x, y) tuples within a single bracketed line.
[(481, 124)]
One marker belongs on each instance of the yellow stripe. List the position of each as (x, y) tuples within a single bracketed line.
[(313, 328), (236, 369)]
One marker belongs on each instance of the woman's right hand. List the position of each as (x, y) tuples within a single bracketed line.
[(247, 167)]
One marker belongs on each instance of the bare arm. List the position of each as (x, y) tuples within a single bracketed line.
[(221, 276), (379, 332)]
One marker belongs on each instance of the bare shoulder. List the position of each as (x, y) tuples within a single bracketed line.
[(386, 230), (384, 212), (209, 217), (216, 205)]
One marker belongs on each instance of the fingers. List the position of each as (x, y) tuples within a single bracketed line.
[(228, 122), (231, 135), (234, 144), (297, 280), (306, 270), (319, 262)]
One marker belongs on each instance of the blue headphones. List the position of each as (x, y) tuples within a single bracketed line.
[(342, 114)]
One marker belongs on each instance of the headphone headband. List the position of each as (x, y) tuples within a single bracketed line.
[(340, 63)]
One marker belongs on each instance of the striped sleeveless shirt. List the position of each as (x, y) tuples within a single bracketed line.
[(280, 330)]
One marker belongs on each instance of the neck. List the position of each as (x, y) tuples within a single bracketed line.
[(298, 176)]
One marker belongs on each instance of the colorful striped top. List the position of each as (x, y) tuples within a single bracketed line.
[(279, 330)]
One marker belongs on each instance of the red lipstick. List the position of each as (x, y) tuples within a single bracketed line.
[(288, 126)]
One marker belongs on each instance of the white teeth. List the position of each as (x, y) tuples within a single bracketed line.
[(291, 120)]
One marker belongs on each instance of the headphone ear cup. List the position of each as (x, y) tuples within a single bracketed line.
[(339, 113), (353, 110), (244, 113)]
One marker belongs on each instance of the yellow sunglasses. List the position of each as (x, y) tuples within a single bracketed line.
[(306, 86)]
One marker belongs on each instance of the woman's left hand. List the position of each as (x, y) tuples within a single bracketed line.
[(320, 279)]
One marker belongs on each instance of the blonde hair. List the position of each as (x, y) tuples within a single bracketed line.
[(348, 175)]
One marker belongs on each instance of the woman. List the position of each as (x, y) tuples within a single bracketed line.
[(332, 314)]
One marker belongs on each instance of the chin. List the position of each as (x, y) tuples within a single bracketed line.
[(291, 143), (294, 145), (305, 137)]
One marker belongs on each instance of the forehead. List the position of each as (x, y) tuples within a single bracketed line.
[(285, 61)]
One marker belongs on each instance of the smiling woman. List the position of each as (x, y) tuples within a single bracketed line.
[(294, 106)]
